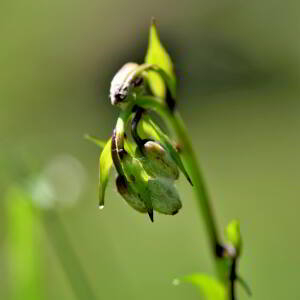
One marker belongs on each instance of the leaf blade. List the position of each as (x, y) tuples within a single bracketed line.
[(95, 140), (105, 165), (157, 55)]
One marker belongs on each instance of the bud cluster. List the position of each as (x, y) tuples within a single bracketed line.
[(146, 174), (146, 160)]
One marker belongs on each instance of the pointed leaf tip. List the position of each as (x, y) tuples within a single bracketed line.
[(234, 235), (95, 140), (157, 55), (104, 169)]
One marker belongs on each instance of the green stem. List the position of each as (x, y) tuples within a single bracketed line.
[(176, 124), (190, 160), (67, 257)]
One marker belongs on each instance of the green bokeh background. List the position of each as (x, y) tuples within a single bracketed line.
[(238, 67)]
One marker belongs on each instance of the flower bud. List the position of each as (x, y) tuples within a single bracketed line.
[(137, 179), (129, 195), (234, 236), (124, 83), (144, 192), (164, 196), (158, 162)]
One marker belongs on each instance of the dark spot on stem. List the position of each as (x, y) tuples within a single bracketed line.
[(138, 81), (220, 251), (134, 125), (122, 153), (178, 148), (170, 101)]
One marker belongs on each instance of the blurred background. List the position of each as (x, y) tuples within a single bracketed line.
[(238, 67)]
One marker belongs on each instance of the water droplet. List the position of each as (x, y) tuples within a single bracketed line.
[(176, 281), (101, 206)]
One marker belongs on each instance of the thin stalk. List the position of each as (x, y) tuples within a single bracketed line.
[(67, 257), (190, 160), (175, 123)]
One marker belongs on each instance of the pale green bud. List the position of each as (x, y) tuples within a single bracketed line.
[(234, 236), (129, 195), (137, 178), (164, 196), (143, 192), (158, 162)]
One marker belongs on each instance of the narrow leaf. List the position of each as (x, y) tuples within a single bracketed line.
[(157, 55), (244, 285), (95, 140), (211, 288), (105, 167)]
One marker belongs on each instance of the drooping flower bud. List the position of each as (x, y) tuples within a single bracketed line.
[(137, 178), (164, 196), (155, 158), (145, 193), (124, 83), (158, 162), (146, 175), (129, 195)]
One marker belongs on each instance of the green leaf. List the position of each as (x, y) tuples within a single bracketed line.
[(105, 167), (211, 288), (130, 147), (169, 81), (157, 55), (234, 235), (95, 140), (146, 130)]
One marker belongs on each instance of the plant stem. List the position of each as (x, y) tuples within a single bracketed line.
[(67, 257), (190, 160), (176, 124)]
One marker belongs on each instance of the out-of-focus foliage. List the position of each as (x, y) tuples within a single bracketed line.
[(210, 287), (24, 246), (234, 235)]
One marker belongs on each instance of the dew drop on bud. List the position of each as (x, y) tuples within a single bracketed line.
[(101, 207)]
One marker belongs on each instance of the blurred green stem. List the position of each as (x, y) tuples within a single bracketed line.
[(190, 161), (67, 257), (175, 123)]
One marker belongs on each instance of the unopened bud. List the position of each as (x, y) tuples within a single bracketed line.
[(164, 196), (137, 179), (129, 195), (234, 236), (144, 192), (158, 161), (123, 84)]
